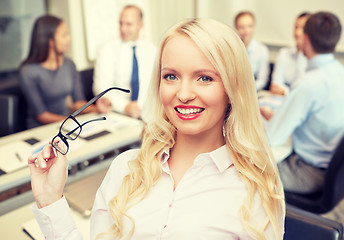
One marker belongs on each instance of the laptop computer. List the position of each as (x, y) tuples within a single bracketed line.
[(80, 194)]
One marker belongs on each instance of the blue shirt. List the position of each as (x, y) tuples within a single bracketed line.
[(258, 54), (313, 113)]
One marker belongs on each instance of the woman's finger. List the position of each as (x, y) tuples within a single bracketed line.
[(41, 161), (48, 152), (32, 162), (31, 159)]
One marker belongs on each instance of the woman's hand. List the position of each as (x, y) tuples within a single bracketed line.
[(49, 176)]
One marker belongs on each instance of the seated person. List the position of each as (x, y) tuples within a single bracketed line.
[(46, 77), (312, 114), (291, 62), (126, 63), (258, 53)]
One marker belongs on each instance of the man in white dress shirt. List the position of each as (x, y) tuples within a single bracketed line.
[(114, 65), (289, 67), (257, 52)]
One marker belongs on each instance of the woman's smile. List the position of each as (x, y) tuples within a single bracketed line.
[(185, 112)]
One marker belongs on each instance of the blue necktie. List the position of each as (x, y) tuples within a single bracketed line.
[(134, 78)]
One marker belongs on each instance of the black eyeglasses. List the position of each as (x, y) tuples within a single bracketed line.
[(70, 128)]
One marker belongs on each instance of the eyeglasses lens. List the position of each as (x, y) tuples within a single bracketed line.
[(60, 145), (70, 129)]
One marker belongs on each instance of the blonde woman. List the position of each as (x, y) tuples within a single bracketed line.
[(204, 171)]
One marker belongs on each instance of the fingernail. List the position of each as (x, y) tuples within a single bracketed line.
[(43, 165)]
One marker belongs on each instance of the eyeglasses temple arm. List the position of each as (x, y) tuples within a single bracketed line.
[(96, 119), (86, 105)]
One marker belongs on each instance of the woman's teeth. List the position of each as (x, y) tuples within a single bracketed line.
[(189, 111)]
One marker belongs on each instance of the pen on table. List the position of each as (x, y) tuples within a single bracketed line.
[(19, 158)]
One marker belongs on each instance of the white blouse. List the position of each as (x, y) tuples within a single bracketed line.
[(205, 204)]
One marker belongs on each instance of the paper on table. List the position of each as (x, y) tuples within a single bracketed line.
[(113, 121), (13, 156), (116, 121), (95, 127), (31, 227)]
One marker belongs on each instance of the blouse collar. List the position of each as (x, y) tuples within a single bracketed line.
[(221, 157)]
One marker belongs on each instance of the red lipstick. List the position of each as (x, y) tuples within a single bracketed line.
[(188, 112)]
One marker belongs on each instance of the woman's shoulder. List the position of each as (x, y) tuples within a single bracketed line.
[(30, 71), (29, 67), (68, 62), (129, 154)]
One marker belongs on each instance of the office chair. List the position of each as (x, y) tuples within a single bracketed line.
[(87, 83), (8, 115), (331, 193), (303, 225)]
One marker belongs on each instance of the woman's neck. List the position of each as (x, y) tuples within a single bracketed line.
[(187, 148), (190, 146), (53, 62)]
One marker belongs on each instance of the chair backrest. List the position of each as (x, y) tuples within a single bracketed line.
[(8, 115), (333, 190), (10, 86), (87, 83), (303, 225)]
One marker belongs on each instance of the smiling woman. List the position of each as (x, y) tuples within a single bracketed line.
[(192, 90), (204, 170)]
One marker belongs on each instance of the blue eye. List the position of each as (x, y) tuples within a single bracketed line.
[(170, 77), (205, 79)]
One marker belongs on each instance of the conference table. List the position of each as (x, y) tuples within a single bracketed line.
[(121, 132), (98, 140)]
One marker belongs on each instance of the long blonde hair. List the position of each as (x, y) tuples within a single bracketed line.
[(244, 133)]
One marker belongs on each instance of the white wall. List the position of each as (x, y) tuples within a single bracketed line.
[(275, 19), (71, 12), (159, 15), (166, 13)]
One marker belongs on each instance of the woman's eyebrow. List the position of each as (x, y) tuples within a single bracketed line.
[(167, 69), (200, 71)]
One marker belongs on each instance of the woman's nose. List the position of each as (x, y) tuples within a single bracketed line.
[(186, 92)]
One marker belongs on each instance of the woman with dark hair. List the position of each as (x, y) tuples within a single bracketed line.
[(47, 77)]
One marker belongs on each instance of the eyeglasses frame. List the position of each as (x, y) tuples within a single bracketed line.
[(78, 111)]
